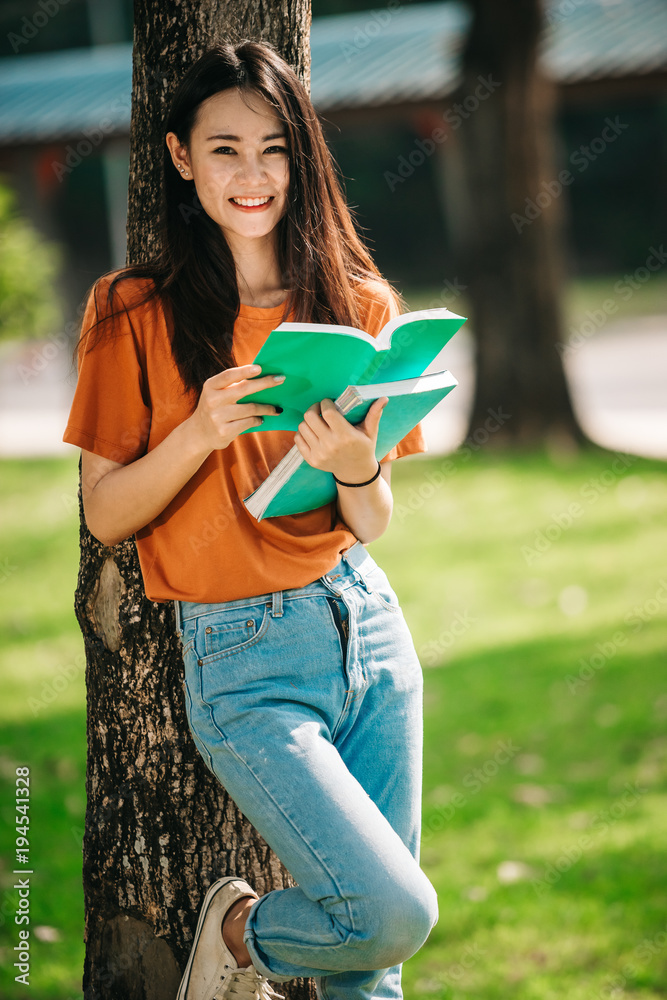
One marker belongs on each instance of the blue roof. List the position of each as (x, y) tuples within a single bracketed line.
[(409, 53), (399, 53)]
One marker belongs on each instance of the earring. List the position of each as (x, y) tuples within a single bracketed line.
[(181, 169)]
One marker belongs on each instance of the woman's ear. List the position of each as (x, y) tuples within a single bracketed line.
[(179, 155)]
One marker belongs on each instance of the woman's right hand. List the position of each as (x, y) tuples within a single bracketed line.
[(219, 418)]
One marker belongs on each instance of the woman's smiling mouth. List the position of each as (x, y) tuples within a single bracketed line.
[(252, 204)]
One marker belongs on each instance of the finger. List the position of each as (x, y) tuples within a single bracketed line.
[(313, 409), (231, 375), (313, 418), (241, 410), (372, 420), (308, 434), (237, 426), (247, 386), (330, 413), (301, 444)]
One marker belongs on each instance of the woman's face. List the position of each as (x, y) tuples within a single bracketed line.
[(237, 151)]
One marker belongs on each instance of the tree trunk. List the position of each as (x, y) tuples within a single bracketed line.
[(512, 253), (159, 826)]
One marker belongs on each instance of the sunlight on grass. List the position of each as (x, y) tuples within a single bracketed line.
[(543, 645)]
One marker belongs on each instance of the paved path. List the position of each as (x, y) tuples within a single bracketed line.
[(618, 380)]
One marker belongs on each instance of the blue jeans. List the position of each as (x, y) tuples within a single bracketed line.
[(307, 705)]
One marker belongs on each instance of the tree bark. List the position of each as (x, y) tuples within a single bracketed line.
[(159, 826), (514, 261)]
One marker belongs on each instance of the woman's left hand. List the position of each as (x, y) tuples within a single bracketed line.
[(328, 441)]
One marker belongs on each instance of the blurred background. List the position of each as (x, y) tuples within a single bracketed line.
[(534, 579)]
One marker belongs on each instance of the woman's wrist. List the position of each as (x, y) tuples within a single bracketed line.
[(356, 473), (193, 440), (365, 482)]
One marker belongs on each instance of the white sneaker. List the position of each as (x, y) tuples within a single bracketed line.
[(212, 971)]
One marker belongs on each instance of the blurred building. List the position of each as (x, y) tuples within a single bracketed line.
[(384, 83)]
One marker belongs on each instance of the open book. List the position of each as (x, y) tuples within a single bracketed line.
[(322, 361), (294, 486)]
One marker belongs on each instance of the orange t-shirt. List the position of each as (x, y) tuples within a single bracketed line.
[(204, 546)]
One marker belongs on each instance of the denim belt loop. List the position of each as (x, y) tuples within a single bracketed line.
[(277, 604), (179, 624)]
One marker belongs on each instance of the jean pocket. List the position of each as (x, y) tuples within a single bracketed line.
[(378, 584), (220, 635)]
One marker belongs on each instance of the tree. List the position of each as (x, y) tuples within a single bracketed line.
[(159, 827), (512, 237)]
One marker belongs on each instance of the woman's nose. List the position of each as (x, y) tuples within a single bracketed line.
[(252, 166)]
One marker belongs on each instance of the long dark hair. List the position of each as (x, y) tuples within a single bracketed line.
[(320, 253)]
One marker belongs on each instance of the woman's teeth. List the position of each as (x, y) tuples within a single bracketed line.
[(248, 202)]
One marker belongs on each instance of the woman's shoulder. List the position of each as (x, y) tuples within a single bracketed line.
[(377, 302), (122, 289), (375, 290)]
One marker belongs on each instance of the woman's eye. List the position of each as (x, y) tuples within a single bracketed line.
[(269, 149)]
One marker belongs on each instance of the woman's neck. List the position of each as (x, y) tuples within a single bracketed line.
[(258, 274)]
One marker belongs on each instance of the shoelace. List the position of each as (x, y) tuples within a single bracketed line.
[(246, 984)]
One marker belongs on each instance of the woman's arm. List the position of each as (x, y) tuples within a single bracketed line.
[(367, 510), (120, 499), (328, 441)]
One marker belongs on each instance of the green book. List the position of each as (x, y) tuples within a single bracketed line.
[(320, 360), (294, 486)]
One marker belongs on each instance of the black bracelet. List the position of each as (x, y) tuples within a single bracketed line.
[(368, 481)]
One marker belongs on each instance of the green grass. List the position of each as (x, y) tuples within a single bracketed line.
[(560, 660), (545, 698)]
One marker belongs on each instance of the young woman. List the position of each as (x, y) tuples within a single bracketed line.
[(304, 691)]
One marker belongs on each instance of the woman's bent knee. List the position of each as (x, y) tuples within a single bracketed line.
[(394, 926)]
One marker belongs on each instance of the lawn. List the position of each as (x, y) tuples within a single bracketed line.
[(536, 590)]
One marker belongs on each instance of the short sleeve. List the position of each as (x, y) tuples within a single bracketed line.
[(380, 308), (110, 415), (412, 444)]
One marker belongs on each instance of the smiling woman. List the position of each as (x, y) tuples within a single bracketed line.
[(302, 684), (242, 186)]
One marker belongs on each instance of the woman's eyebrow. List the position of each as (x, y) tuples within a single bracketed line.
[(236, 138)]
